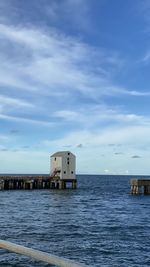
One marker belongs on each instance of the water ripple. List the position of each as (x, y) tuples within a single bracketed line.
[(99, 224)]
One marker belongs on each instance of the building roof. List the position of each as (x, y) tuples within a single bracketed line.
[(61, 153)]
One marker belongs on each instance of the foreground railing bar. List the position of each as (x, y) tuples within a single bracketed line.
[(39, 255)]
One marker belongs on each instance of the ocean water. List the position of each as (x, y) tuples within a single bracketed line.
[(99, 224)]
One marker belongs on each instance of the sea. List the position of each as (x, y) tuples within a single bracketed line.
[(99, 224)]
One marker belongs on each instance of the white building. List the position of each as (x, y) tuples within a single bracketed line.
[(63, 165)]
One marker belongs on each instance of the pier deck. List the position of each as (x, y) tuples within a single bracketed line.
[(24, 182), (10, 182), (140, 186)]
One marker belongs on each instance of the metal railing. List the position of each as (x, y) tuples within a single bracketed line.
[(39, 255)]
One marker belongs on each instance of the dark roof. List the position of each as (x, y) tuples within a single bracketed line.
[(61, 153)]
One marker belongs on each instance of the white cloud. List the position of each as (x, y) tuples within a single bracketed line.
[(24, 36), (107, 171), (94, 115), (57, 61), (51, 63), (4, 137), (26, 120), (12, 76), (15, 102), (54, 80), (95, 144), (68, 115), (146, 58), (126, 135)]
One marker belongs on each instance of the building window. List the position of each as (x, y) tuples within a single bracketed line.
[(64, 171), (55, 159), (68, 153), (67, 158), (68, 162), (72, 172)]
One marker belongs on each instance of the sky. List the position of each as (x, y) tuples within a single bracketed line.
[(75, 76)]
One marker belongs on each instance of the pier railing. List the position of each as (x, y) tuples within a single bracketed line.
[(39, 255)]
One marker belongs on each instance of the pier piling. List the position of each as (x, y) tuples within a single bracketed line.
[(35, 182), (140, 186)]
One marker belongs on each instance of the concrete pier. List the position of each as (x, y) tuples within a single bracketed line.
[(29, 182), (24, 182), (57, 183), (62, 175), (140, 186)]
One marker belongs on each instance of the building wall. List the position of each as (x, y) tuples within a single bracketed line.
[(66, 163), (56, 164), (68, 166)]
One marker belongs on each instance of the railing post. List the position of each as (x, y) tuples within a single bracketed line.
[(39, 255)]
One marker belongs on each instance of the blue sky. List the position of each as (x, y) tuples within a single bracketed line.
[(75, 75)]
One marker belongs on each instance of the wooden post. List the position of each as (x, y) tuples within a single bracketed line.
[(74, 184), (145, 189), (31, 185), (2, 185), (10, 184), (61, 184), (137, 190)]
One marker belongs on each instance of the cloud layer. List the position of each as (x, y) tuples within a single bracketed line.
[(59, 89)]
